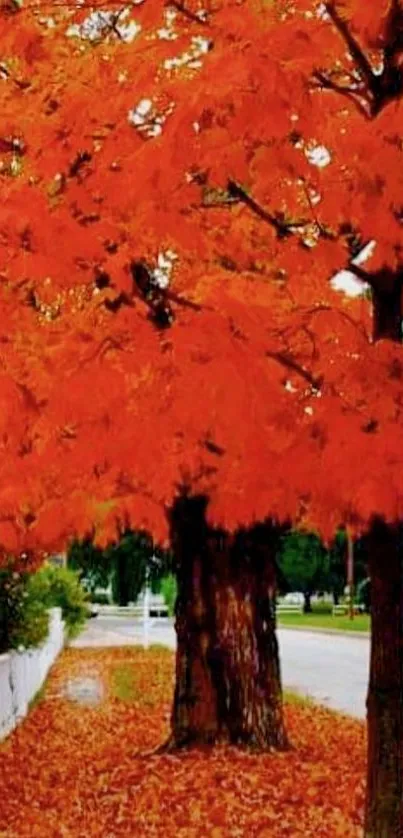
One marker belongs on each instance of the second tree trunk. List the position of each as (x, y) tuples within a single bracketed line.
[(384, 810)]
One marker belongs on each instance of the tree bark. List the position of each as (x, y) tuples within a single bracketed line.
[(387, 308), (228, 686), (384, 805), (307, 603)]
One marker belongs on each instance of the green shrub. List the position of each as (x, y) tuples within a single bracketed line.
[(169, 590), (23, 620), (25, 600), (31, 630), (60, 587)]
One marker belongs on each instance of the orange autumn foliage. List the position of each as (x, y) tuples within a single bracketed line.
[(88, 770), (179, 186)]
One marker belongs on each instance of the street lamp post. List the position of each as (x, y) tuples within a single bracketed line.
[(350, 573)]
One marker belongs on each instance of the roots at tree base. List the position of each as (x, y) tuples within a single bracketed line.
[(228, 686)]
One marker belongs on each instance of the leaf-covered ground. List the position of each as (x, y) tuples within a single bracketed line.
[(81, 768)]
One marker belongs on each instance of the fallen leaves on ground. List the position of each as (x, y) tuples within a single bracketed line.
[(76, 769)]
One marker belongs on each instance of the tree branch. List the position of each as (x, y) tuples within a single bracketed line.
[(193, 16), (357, 325), (114, 23), (394, 35), (182, 301), (326, 234), (283, 228), (290, 363), (359, 56), (327, 83), (359, 272), (371, 279)]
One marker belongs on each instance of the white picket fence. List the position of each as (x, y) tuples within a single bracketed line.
[(23, 673)]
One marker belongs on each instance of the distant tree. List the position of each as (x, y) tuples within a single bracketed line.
[(126, 564), (337, 576), (91, 562), (133, 560), (304, 564)]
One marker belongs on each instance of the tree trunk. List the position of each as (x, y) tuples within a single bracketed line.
[(387, 317), (228, 685), (121, 588), (384, 805), (307, 603), (336, 598)]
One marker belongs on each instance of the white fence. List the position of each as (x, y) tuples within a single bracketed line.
[(23, 673), (147, 605)]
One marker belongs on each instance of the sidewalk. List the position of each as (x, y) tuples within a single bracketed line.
[(84, 764)]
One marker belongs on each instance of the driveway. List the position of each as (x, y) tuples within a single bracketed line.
[(330, 668)]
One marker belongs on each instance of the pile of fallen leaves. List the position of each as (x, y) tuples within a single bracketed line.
[(82, 764)]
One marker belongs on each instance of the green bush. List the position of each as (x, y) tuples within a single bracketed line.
[(25, 600), (60, 587), (169, 590), (24, 621), (32, 628)]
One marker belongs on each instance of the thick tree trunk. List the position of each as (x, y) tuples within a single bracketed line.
[(307, 603), (384, 808), (228, 685)]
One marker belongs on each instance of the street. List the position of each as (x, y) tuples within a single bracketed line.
[(332, 669)]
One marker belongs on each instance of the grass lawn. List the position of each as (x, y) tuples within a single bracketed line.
[(83, 768), (361, 622)]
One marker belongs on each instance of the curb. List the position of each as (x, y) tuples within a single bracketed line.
[(362, 635)]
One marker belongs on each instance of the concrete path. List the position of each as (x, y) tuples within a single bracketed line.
[(332, 669), (123, 631)]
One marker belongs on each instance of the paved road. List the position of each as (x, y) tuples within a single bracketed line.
[(332, 669)]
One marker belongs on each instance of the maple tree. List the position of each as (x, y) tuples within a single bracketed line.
[(140, 383), (176, 305)]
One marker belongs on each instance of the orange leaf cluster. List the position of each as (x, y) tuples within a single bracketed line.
[(179, 185), (73, 770)]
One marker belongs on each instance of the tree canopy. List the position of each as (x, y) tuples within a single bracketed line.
[(181, 184)]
